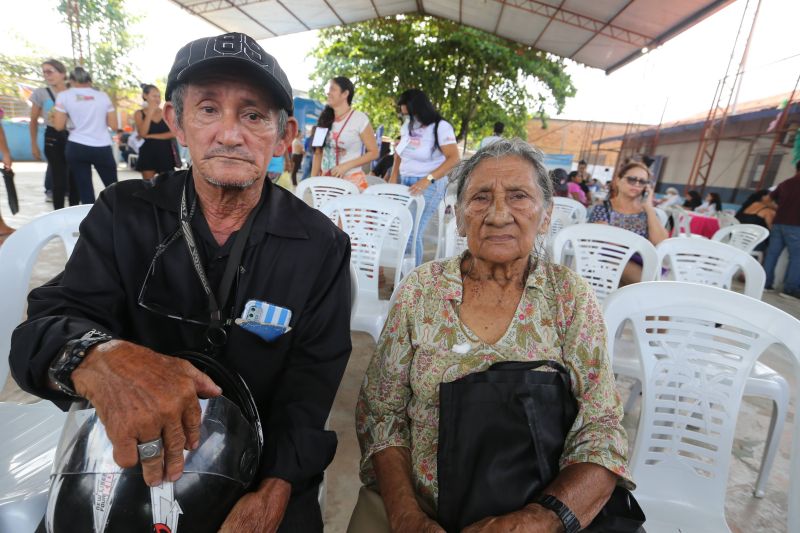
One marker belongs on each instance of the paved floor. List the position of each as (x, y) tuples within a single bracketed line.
[(744, 512)]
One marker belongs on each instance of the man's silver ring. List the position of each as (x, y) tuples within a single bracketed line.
[(150, 449)]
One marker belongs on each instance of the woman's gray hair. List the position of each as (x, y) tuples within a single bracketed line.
[(79, 75), (179, 94), (515, 147)]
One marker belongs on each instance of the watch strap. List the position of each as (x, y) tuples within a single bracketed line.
[(564, 513), (430, 178), (72, 355)]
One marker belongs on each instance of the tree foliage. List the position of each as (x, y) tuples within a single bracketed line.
[(106, 42), (474, 78)]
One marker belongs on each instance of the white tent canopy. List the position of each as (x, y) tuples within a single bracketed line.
[(604, 34)]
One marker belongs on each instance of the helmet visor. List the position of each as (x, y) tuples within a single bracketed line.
[(229, 444)]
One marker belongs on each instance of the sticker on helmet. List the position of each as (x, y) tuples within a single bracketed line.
[(104, 485), (166, 510)]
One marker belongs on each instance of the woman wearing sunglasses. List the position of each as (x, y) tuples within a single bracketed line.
[(631, 207)]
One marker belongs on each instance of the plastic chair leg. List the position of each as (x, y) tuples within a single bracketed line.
[(780, 408)]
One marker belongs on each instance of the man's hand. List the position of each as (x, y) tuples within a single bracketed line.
[(530, 519), (260, 511), (141, 395)]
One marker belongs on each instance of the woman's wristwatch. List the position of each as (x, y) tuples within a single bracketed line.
[(565, 514), (430, 178)]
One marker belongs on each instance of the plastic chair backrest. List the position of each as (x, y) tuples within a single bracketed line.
[(575, 210), (662, 215), (682, 220), (322, 189), (698, 345), (454, 243), (367, 220), (18, 255), (711, 263), (374, 180), (602, 252), (726, 219), (743, 236), (415, 205)]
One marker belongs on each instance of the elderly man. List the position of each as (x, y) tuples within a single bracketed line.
[(164, 269)]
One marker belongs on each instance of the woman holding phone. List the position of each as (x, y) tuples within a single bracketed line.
[(631, 208)]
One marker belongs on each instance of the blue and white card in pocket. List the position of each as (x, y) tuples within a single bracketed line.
[(265, 320)]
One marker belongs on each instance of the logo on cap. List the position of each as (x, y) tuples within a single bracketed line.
[(235, 44)]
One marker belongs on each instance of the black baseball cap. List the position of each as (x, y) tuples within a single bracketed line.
[(231, 49)]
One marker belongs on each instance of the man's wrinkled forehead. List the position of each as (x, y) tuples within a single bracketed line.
[(213, 85)]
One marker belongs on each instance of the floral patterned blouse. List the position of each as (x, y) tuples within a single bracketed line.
[(557, 318), (604, 212)]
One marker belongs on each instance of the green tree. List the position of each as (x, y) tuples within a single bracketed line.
[(474, 78), (106, 43)]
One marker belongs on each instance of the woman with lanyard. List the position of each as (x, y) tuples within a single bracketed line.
[(350, 142), (43, 99), (426, 152)]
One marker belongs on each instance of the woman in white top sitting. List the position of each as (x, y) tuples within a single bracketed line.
[(350, 142), (710, 206), (89, 144), (427, 151)]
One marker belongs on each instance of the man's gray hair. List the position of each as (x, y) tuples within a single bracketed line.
[(503, 148), (179, 94)]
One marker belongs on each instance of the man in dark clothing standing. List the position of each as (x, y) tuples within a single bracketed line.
[(148, 278), (786, 233)]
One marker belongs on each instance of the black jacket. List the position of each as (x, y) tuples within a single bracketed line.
[(295, 258)]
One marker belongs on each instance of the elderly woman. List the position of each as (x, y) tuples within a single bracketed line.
[(498, 301)]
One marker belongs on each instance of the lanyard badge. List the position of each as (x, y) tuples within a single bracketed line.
[(265, 320)]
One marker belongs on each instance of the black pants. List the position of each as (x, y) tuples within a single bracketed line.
[(81, 158), (55, 144), (297, 162)]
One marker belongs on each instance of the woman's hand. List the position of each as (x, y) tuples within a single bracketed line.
[(419, 187), (37, 154), (647, 200), (416, 523), (531, 519), (339, 170)]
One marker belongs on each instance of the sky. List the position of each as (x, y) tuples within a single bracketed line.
[(676, 80)]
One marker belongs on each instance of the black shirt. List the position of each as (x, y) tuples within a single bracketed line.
[(294, 258)]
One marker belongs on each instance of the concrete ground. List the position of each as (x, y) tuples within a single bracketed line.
[(744, 512)]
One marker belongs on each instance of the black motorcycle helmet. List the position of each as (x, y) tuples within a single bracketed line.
[(89, 492)]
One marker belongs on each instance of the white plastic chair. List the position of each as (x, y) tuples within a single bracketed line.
[(698, 345), (714, 263), (322, 189), (445, 209), (30, 431), (601, 253), (662, 215), (682, 221), (573, 209), (374, 180), (415, 205), (726, 219), (454, 243), (367, 220), (743, 236), (710, 263)]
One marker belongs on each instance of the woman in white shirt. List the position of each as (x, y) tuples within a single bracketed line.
[(710, 206), (89, 144), (427, 151), (350, 142)]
